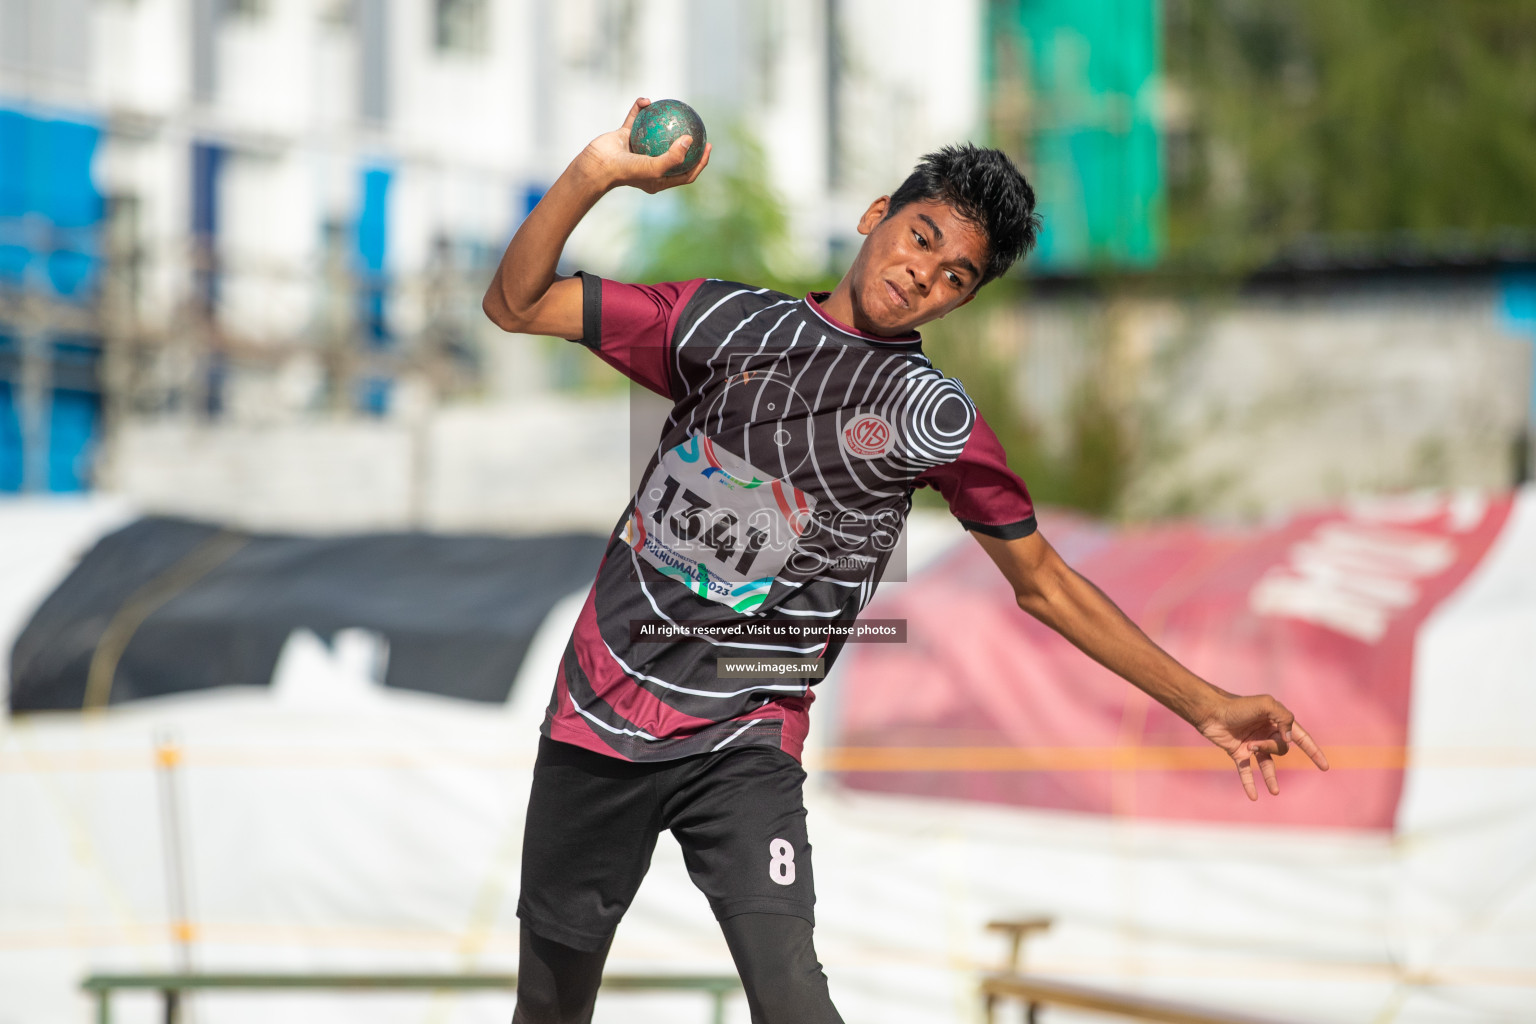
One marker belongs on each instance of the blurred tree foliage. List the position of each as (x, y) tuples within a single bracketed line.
[(1090, 470), (1382, 123)]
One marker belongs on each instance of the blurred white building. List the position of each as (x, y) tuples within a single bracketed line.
[(257, 152), (290, 208)]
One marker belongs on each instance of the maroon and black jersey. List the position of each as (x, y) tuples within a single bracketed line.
[(777, 492)]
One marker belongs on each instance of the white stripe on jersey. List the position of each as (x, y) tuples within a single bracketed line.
[(770, 371), (637, 674), (584, 713), (794, 387), (826, 488), (816, 579), (677, 350), (715, 372), (733, 735)]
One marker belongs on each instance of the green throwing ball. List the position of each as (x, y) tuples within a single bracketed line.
[(660, 124)]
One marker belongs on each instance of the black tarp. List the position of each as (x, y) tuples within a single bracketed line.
[(194, 606)]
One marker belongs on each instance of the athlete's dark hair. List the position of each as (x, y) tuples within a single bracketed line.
[(984, 187)]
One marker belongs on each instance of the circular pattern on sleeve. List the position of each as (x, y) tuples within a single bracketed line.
[(934, 417)]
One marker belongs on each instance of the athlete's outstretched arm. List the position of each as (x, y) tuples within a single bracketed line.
[(526, 295), (1250, 729)]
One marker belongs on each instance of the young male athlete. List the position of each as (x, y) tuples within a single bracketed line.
[(799, 430)]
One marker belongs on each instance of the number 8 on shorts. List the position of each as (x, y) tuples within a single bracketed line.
[(781, 862)]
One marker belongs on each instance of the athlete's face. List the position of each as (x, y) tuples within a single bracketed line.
[(915, 265)]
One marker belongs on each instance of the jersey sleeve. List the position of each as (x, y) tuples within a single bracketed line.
[(630, 327), (982, 492)]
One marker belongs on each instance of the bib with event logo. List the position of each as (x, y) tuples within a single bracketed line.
[(715, 523)]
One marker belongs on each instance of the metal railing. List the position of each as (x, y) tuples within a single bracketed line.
[(172, 987)]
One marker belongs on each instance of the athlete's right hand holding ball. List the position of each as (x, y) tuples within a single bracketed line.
[(527, 295), (608, 159)]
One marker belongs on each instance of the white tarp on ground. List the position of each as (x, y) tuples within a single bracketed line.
[(330, 824)]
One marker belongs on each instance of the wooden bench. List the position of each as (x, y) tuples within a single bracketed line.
[(1018, 931), (1034, 991)]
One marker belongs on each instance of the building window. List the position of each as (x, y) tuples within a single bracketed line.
[(461, 25)]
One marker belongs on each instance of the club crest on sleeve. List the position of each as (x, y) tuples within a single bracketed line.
[(867, 436)]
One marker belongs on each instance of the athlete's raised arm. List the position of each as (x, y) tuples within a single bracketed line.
[(1249, 729), (526, 295)]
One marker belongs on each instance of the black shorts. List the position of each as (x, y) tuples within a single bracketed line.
[(593, 821)]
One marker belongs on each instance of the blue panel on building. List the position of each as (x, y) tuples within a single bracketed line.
[(15, 256), (13, 174), (1517, 302), (207, 165), (73, 425), (10, 441), (69, 196), (50, 222), (373, 293), (70, 271), (207, 162), (1517, 309), (372, 220), (13, 264), (531, 194), (50, 209)]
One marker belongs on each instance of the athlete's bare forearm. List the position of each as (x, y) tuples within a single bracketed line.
[(1083, 614), (522, 295), (1050, 590), (1251, 730)]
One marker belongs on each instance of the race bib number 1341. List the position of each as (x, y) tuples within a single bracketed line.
[(716, 524)]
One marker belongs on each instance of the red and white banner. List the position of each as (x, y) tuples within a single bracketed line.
[(1321, 611)]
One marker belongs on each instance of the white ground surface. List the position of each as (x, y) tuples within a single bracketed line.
[(330, 824)]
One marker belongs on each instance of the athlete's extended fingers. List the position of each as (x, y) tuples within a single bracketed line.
[(1309, 746), (1245, 772), (1267, 767), (634, 109)]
